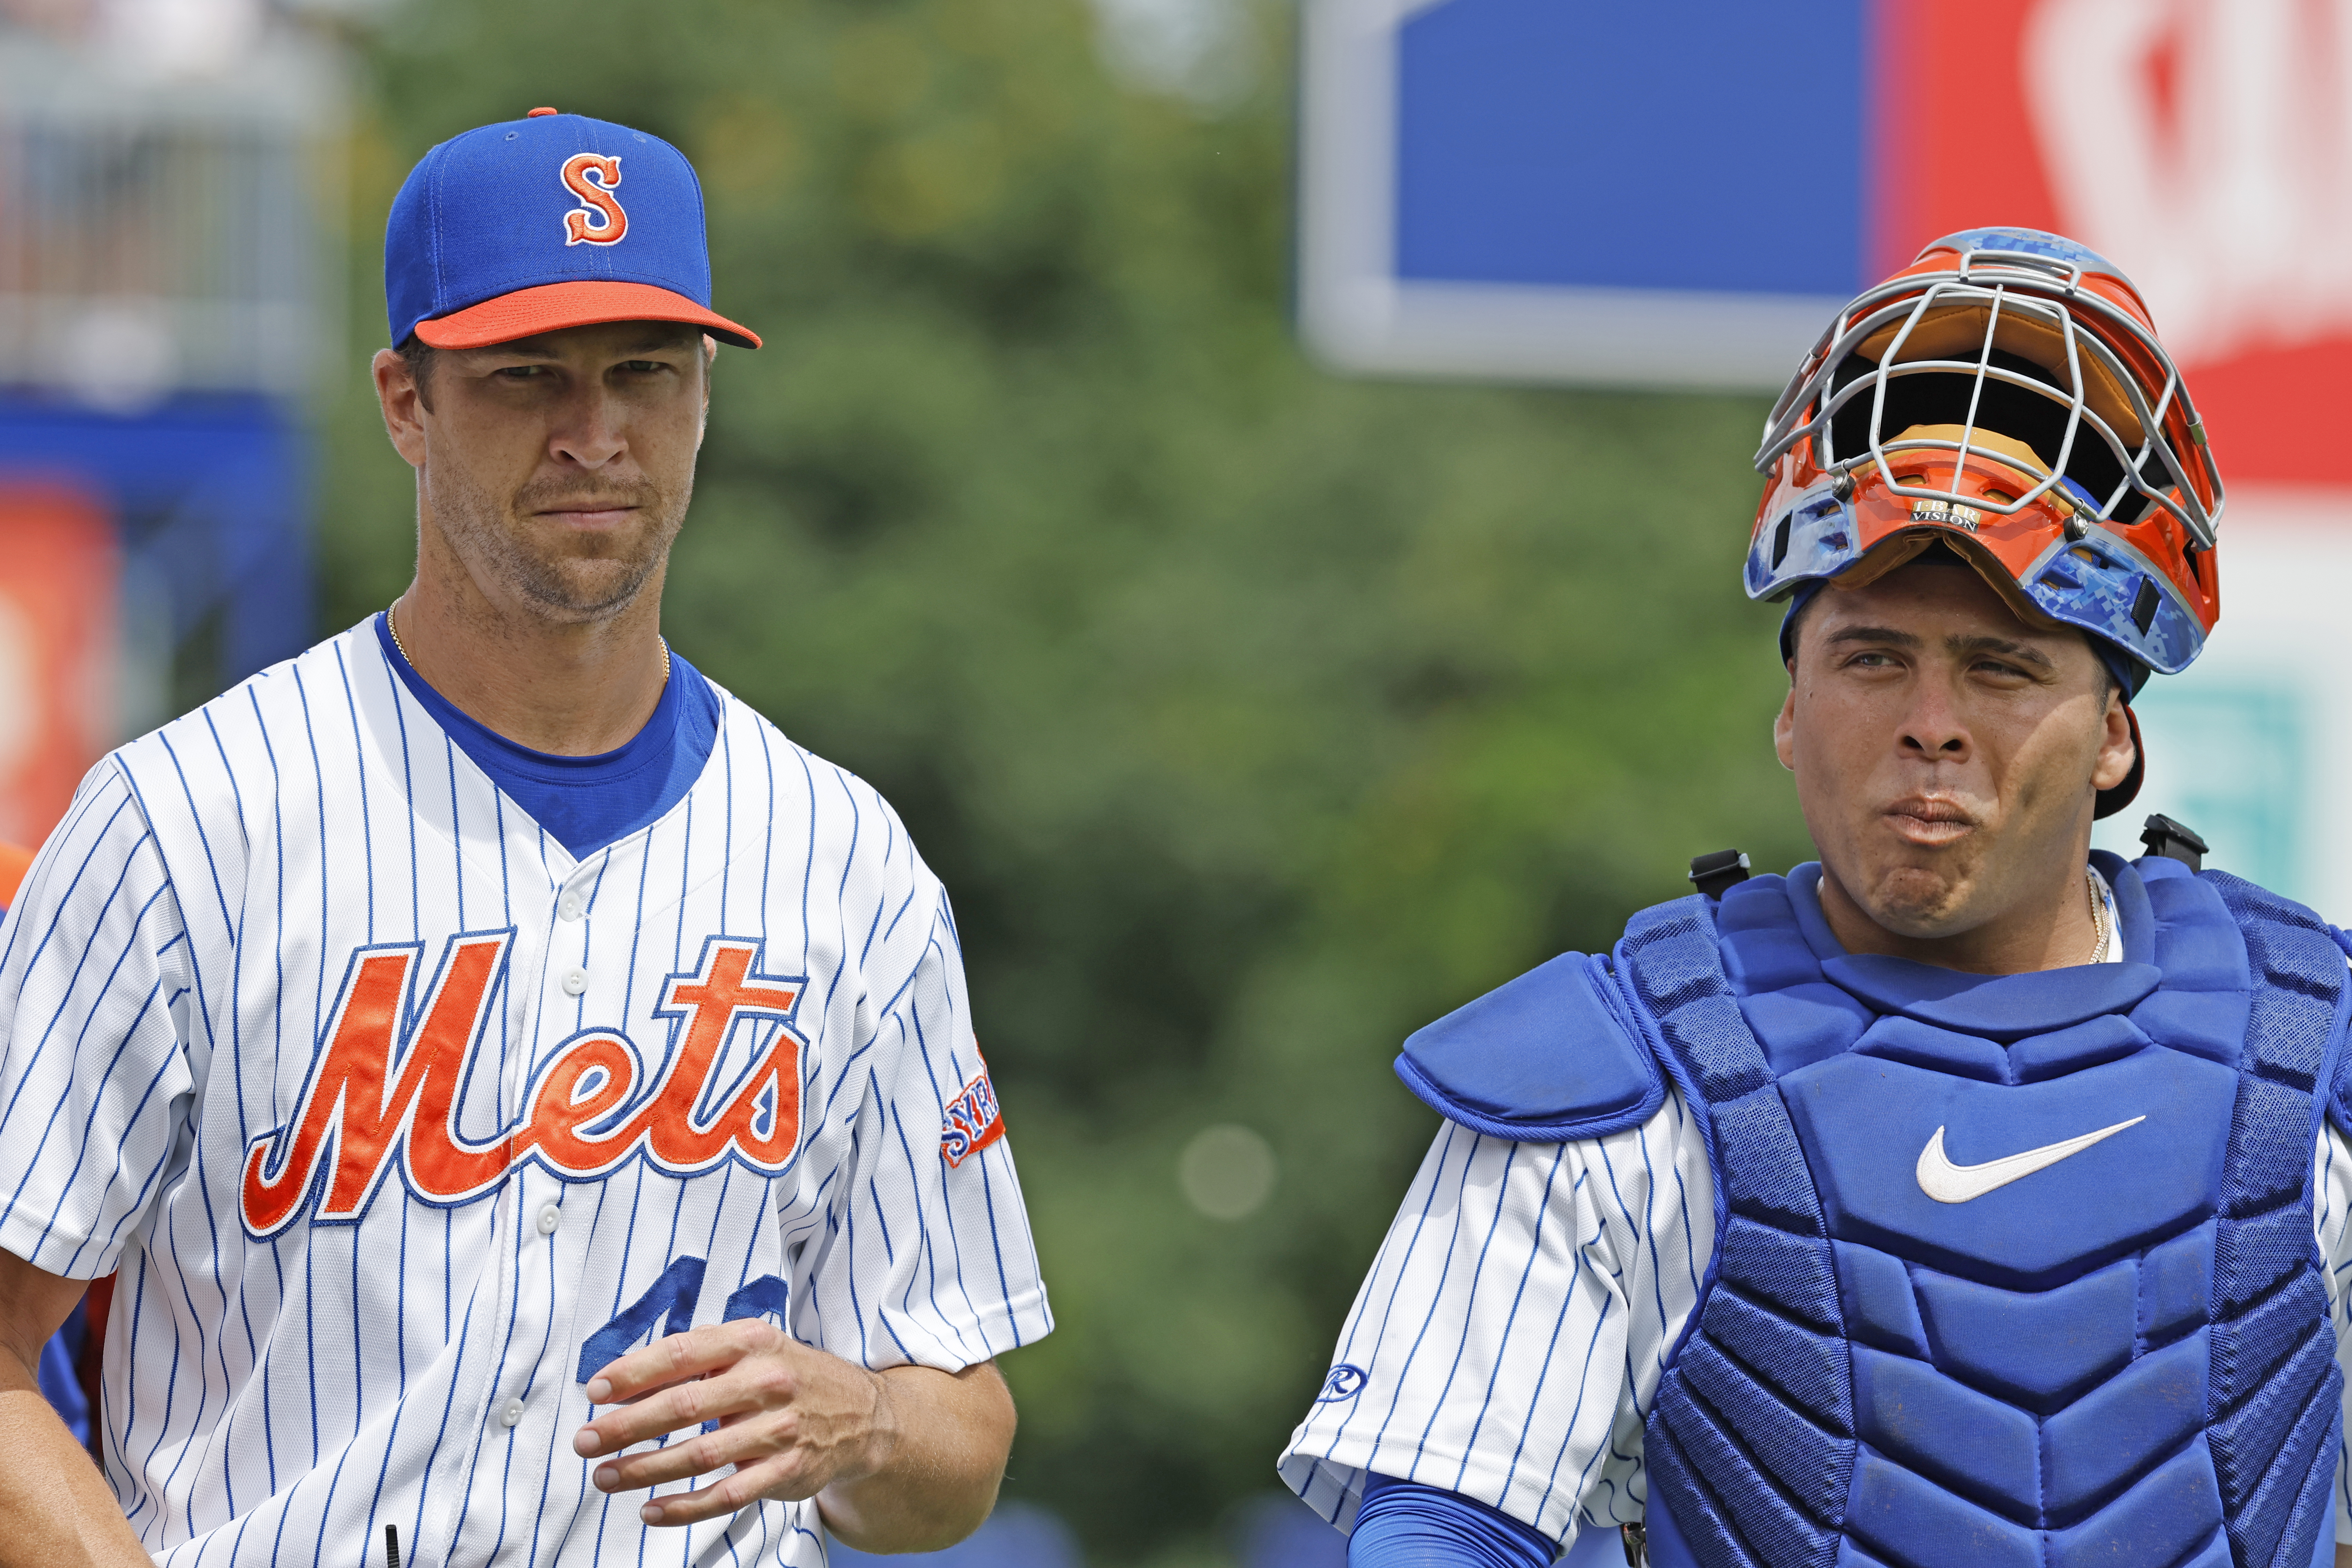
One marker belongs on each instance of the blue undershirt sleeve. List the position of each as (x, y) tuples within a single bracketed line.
[(1403, 1524)]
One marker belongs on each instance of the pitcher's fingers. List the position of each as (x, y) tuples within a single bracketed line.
[(699, 1455), (781, 1477), (678, 1409), (673, 1358)]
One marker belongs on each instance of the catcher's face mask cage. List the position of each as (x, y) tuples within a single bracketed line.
[(2006, 395)]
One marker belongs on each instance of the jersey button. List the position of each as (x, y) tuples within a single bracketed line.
[(572, 907), (575, 981), (549, 1218), (512, 1415)]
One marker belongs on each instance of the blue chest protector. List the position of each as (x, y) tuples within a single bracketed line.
[(2114, 1349)]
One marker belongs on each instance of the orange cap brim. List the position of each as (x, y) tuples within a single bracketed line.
[(552, 307)]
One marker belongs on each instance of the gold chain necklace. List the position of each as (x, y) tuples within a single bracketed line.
[(391, 621), (2098, 915)]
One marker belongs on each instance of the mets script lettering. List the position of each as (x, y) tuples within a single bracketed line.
[(383, 1089)]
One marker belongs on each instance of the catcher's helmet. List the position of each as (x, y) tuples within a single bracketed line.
[(2005, 395)]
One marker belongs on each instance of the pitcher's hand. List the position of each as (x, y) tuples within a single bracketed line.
[(793, 1420)]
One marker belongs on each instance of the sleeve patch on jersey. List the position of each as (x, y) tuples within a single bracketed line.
[(974, 1120)]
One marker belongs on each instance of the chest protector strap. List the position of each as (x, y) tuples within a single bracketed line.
[(2011, 1272)]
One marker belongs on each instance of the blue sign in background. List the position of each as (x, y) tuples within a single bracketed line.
[(1665, 144), (207, 494)]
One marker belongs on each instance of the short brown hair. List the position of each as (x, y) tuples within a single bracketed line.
[(418, 355)]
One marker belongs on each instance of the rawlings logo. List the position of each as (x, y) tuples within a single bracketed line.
[(382, 1090), (598, 219), (974, 1120), (1342, 1383)]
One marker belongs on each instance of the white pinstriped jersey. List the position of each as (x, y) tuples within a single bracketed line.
[(1508, 1341), (397, 1121)]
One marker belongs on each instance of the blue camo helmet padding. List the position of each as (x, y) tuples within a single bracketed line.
[(2129, 673), (2006, 398)]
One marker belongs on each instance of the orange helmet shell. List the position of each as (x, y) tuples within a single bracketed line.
[(2005, 394)]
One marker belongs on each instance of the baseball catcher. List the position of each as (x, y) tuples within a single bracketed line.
[(1966, 1197)]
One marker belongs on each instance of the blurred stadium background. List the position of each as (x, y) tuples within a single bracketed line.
[(1256, 714)]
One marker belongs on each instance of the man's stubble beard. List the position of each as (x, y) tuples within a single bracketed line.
[(496, 538), (1926, 901), (1968, 884), (1923, 909)]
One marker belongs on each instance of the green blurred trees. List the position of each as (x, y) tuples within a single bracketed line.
[(1253, 717)]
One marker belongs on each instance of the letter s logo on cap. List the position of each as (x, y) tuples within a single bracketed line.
[(598, 219)]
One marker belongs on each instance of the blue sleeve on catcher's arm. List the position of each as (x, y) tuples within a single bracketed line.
[(1403, 1524)]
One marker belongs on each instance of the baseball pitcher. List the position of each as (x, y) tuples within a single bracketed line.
[(530, 1105)]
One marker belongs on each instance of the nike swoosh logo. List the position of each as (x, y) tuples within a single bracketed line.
[(1949, 1184)]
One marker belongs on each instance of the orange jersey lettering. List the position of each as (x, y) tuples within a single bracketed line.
[(383, 1093)]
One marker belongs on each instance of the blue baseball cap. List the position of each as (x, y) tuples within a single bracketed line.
[(552, 221)]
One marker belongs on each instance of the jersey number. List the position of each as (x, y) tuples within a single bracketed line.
[(671, 1301)]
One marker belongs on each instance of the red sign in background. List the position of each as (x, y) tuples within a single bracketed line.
[(2205, 146), (59, 581)]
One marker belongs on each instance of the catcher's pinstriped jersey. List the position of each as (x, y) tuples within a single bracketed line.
[(398, 1122)]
